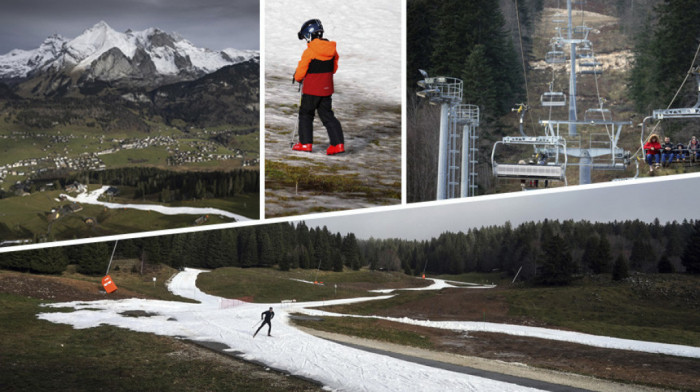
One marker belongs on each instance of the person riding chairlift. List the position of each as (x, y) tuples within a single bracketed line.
[(652, 151)]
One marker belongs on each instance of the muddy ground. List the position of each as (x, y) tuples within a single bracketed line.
[(625, 366), (58, 289), (656, 370), (368, 174)]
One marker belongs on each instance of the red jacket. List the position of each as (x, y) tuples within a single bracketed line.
[(649, 145), (316, 68)]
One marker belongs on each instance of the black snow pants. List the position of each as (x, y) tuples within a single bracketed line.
[(309, 105), (269, 326)]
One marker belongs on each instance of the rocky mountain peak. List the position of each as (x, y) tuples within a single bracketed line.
[(148, 58)]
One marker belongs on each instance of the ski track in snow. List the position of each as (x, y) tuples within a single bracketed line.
[(336, 366), (367, 100), (91, 198)]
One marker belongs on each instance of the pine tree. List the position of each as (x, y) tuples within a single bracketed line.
[(556, 266), (265, 249), (663, 55), (248, 248), (665, 266), (691, 253), (602, 256), (590, 253), (620, 268), (93, 258), (49, 261)]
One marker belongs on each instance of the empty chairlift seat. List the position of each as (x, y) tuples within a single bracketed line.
[(553, 98), (555, 57), (544, 172), (590, 66)]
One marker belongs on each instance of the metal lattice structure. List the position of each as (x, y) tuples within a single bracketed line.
[(457, 155), (597, 151)]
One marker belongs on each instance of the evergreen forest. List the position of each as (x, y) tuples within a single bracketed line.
[(544, 253)]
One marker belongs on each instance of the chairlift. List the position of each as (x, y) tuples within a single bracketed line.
[(553, 98), (555, 57), (584, 52), (594, 115), (594, 71), (547, 165), (581, 30), (590, 66)]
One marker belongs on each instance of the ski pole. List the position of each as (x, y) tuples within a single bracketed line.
[(256, 324), (296, 123)]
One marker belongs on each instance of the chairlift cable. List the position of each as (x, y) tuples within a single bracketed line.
[(522, 58), (609, 131), (692, 64)]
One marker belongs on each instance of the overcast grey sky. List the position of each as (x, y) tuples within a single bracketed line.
[(214, 24), (667, 198)]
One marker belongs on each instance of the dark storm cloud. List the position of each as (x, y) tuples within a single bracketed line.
[(215, 24)]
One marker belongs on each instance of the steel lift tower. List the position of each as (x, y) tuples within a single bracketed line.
[(456, 176)]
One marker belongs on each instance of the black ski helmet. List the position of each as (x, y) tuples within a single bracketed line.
[(311, 29)]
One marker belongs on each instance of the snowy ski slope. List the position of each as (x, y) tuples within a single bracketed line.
[(337, 366)]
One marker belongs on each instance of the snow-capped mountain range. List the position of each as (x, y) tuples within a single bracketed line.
[(101, 53)]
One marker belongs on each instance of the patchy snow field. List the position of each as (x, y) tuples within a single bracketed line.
[(336, 366), (367, 101), (92, 198)]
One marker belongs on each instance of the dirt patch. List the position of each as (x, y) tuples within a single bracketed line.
[(618, 365), (370, 167), (275, 380), (490, 305), (387, 285), (57, 289)]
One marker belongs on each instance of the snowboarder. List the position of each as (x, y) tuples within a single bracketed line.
[(315, 69), (267, 315)]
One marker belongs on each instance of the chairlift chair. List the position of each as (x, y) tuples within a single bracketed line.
[(553, 99), (594, 114), (584, 51), (555, 170), (590, 66), (555, 57)]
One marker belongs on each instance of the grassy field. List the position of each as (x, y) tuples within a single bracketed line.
[(270, 285), (38, 355), (151, 156), (27, 217), (660, 308), (651, 307)]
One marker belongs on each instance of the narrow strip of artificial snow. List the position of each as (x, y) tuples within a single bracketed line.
[(536, 332), (91, 198), (438, 284), (334, 365)]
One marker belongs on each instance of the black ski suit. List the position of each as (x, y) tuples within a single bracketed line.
[(268, 315)]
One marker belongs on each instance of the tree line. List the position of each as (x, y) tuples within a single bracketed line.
[(546, 252), (174, 185), (285, 246), (663, 52)]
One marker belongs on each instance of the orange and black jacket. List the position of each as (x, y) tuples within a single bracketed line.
[(316, 68)]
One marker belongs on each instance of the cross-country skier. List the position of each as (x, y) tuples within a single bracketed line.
[(316, 68), (267, 315)]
